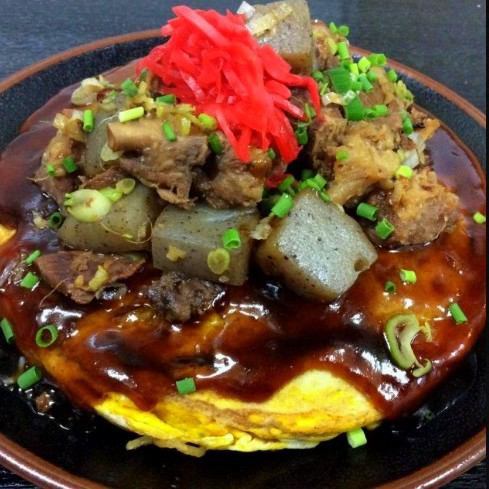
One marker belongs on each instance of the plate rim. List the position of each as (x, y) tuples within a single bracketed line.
[(45, 474)]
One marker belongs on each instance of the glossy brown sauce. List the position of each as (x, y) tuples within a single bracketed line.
[(260, 335)]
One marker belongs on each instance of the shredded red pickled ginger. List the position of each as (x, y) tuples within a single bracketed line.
[(212, 61)]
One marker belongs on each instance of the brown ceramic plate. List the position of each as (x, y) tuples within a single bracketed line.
[(413, 453)]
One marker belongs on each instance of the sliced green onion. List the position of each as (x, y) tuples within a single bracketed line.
[(126, 185), (344, 30), (356, 438), (399, 343), (169, 132), (423, 370), (168, 99), (407, 125), (88, 120), (390, 287), (333, 47), (408, 276), (364, 64), (131, 114), (231, 239), (144, 74), (55, 220), (404, 171), (287, 184), (457, 314), (186, 386), (7, 330), (46, 336), (381, 110), (319, 76), (30, 281), (378, 59), (366, 85), (112, 194), (51, 170), (215, 143), (305, 174), (349, 97), (272, 154), (355, 110), (69, 164), (356, 85), (218, 261), (333, 28), (323, 88), (87, 205), (343, 51), (384, 229), (367, 211), (129, 88), (354, 70), (32, 257), (392, 75), (309, 111), (208, 122), (283, 206), (342, 155), (302, 135), (320, 181), (372, 76), (479, 218), (340, 79), (325, 197), (29, 378), (309, 183)]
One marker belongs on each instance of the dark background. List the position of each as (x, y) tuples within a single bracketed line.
[(445, 39)]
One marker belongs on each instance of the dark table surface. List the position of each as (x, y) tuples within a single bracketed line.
[(445, 39)]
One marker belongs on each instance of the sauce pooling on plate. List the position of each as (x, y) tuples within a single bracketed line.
[(259, 335)]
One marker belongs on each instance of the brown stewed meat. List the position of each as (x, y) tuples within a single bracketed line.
[(420, 208), (81, 274), (167, 166), (180, 298), (107, 178)]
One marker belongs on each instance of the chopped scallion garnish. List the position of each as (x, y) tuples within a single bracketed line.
[(344, 30), (354, 70), (46, 336), (367, 211), (340, 79), (342, 155), (7, 330), (309, 111), (356, 438), (283, 206), (355, 110), (69, 164), (333, 28), (405, 171), (366, 85), (384, 228), (32, 257), (50, 170), (169, 132), (30, 281), (55, 220), (378, 59), (186, 386), (408, 276), (392, 75), (381, 110), (364, 64), (457, 313), (372, 76), (302, 135), (272, 154), (407, 125), (29, 378), (390, 287), (343, 51), (129, 88), (208, 122), (305, 174), (286, 185), (479, 218), (319, 76), (131, 114), (88, 120), (168, 99), (215, 143), (231, 239)]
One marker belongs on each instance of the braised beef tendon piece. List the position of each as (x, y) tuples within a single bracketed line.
[(420, 209), (182, 298), (81, 274), (231, 183), (167, 167)]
